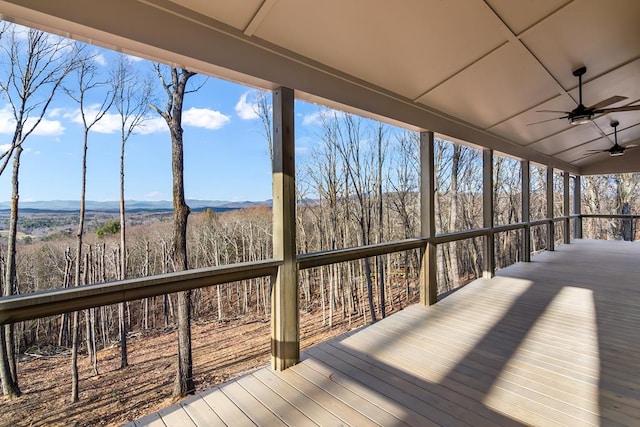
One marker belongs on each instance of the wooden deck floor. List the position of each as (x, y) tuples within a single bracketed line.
[(552, 342)]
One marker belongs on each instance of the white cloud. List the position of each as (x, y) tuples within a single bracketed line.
[(313, 119), (154, 125), (4, 148), (109, 123), (134, 58), (100, 59), (44, 128), (246, 110), (37, 152), (55, 112), (47, 128), (205, 118), (7, 122)]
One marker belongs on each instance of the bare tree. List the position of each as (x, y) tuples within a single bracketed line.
[(381, 142), (175, 87), (358, 163), (87, 82), (35, 70), (262, 107), (132, 97)]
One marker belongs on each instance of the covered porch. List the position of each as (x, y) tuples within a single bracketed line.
[(546, 342), (549, 342)]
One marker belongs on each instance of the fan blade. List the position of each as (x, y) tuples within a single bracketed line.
[(609, 101), (553, 111), (630, 146), (597, 151), (617, 109), (548, 120)]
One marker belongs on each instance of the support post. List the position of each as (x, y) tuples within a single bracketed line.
[(428, 281), (567, 222), (526, 210), (577, 207), (551, 226), (487, 213), (285, 328)]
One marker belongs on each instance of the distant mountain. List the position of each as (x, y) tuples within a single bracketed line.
[(131, 205)]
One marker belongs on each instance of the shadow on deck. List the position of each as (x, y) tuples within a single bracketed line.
[(551, 342)]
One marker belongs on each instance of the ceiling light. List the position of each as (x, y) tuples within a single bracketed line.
[(580, 119), (616, 153)]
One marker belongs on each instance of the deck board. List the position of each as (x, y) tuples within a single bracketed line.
[(550, 342)]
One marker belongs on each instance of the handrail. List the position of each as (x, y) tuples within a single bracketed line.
[(509, 227), (619, 216), (319, 259), (544, 221), (16, 308), (458, 235)]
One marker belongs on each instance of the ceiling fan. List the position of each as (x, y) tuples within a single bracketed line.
[(616, 149), (581, 114)]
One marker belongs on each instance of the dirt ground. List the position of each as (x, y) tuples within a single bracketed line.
[(221, 351)]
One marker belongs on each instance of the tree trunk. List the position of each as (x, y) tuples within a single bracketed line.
[(453, 246), (123, 263), (9, 369)]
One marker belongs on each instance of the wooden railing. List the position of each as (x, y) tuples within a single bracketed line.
[(630, 217), (47, 303), (16, 308)]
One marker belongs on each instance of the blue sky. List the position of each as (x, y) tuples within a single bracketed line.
[(226, 153)]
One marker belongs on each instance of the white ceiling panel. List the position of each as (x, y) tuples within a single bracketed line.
[(599, 34), (407, 50), (525, 129), (567, 139), (511, 88), (520, 15), (237, 14), (623, 81)]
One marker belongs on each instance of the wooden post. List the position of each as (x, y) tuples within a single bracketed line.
[(285, 328), (577, 207), (567, 222), (526, 211), (551, 226), (428, 281), (487, 213)]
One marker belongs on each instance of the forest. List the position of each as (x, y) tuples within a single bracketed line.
[(359, 187)]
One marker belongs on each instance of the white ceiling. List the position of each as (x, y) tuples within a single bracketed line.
[(475, 70)]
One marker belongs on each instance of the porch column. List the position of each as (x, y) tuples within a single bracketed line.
[(428, 282), (550, 228), (285, 330), (567, 222), (577, 207), (487, 213), (526, 211)]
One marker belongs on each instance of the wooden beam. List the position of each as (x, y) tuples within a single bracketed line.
[(577, 207), (487, 213), (285, 327), (428, 281), (525, 168), (566, 210), (551, 226)]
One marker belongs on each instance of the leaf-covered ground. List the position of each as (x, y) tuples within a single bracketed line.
[(221, 351)]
